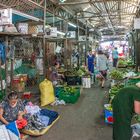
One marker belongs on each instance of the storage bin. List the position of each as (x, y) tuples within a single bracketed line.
[(73, 80), (108, 115), (58, 90)]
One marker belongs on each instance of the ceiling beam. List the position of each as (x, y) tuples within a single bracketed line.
[(132, 3), (113, 6), (94, 1), (99, 10), (119, 13), (127, 7), (73, 3), (108, 17), (98, 15)]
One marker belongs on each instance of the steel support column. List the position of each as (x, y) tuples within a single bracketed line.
[(44, 41)]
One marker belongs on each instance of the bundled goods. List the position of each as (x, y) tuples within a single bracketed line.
[(71, 73), (122, 63), (130, 63), (80, 72), (74, 72), (116, 75), (69, 94), (114, 90), (109, 107), (137, 118)]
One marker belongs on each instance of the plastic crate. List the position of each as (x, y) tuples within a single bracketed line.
[(69, 98), (132, 82), (58, 90), (73, 80), (108, 115)]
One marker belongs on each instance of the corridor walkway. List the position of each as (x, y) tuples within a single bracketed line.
[(81, 121)]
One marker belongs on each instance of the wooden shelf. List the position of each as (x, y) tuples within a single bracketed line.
[(20, 34)]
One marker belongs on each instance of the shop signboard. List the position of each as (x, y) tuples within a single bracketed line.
[(82, 38), (5, 16), (137, 23), (71, 34)]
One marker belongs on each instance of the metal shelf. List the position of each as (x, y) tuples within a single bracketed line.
[(20, 34), (26, 6)]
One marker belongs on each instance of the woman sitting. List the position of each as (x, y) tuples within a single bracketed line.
[(11, 109), (54, 76)]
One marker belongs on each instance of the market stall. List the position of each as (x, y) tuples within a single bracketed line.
[(120, 78)]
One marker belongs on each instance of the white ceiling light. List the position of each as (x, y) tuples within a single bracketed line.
[(61, 33), (62, 0), (86, 8), (71, 24), (25, 15)]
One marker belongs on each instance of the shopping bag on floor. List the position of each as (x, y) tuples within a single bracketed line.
[(47, 92)]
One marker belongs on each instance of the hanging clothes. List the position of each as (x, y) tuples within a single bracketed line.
[(91, 63), (2, 53)]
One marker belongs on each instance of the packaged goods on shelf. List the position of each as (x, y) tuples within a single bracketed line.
[(10, 28), (18, 82), (22, 28), (32, 29), (40, 28)]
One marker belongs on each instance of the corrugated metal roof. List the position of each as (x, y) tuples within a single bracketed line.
[(111, 14)]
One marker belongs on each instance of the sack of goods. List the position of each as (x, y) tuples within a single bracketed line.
[(47, 92)]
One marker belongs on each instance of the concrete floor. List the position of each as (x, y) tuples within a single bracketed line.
[(81, 121)]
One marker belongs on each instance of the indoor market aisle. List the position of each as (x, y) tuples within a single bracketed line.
[(81, 121)]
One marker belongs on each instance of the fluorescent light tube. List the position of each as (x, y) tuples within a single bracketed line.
[(25, 15), (86, 8), (71, 24), (61, 33)]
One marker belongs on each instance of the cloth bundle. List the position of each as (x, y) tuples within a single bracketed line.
[(21, 123), (37, 118)]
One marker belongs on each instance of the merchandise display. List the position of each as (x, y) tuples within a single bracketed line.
[(71, 59)]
